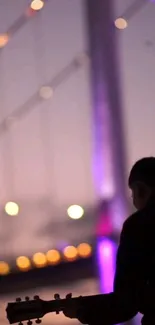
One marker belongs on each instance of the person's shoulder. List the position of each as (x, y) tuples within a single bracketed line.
[(133, 220), (130, 228)]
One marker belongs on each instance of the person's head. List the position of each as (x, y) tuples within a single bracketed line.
[(142, 181)]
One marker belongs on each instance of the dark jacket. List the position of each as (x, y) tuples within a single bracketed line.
[(134, 280)]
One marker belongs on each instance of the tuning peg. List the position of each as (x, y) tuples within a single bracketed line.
[(29, 322), (36, 297), (38, 321), (69, 296), (56, 296), (18, 299), (27, 298)]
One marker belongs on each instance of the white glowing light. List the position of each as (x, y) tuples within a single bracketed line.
[(12, 208), (75, 212)]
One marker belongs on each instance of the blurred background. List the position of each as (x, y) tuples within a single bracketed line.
[(77, 81)]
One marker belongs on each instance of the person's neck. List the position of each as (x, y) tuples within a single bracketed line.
[(151, 199)]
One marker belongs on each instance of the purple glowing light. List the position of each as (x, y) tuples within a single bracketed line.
[(106, 262), (104, 226)]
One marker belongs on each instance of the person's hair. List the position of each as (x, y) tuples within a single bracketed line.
[(143, 171)]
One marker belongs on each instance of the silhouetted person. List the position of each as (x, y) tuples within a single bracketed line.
[(134, 282)]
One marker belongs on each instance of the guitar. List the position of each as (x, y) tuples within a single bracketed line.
[(35, 309)]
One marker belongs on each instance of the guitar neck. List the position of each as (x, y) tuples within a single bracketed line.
[(37, 308), (60, 304)]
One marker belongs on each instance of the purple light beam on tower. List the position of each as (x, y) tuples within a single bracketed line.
[(106, 262)]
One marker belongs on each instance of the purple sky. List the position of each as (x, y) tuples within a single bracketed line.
[(47, 156), (138, 79)]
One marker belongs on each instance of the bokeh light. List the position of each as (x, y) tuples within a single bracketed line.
[(82, 59), (23, 263), (53, 256), (84, 250), (4, 268), (4, 38), (30, 12), (70, 253), (39, 259), (12, 208), (121, 23), (106, 251), (106, 254), (46, 92), (37, 4), (75, 212)]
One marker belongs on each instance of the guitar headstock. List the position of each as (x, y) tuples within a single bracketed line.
[(28, 310)]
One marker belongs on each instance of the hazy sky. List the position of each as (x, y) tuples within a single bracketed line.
[(138, 79), (48, 154), (46, 157)]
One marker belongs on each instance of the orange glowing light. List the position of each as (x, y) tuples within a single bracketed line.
[(53, 256), (37, 4), (70, 253), (4, 38), (4, 268), (23, 263), (39, 259), (84, 250), (121, 23)]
